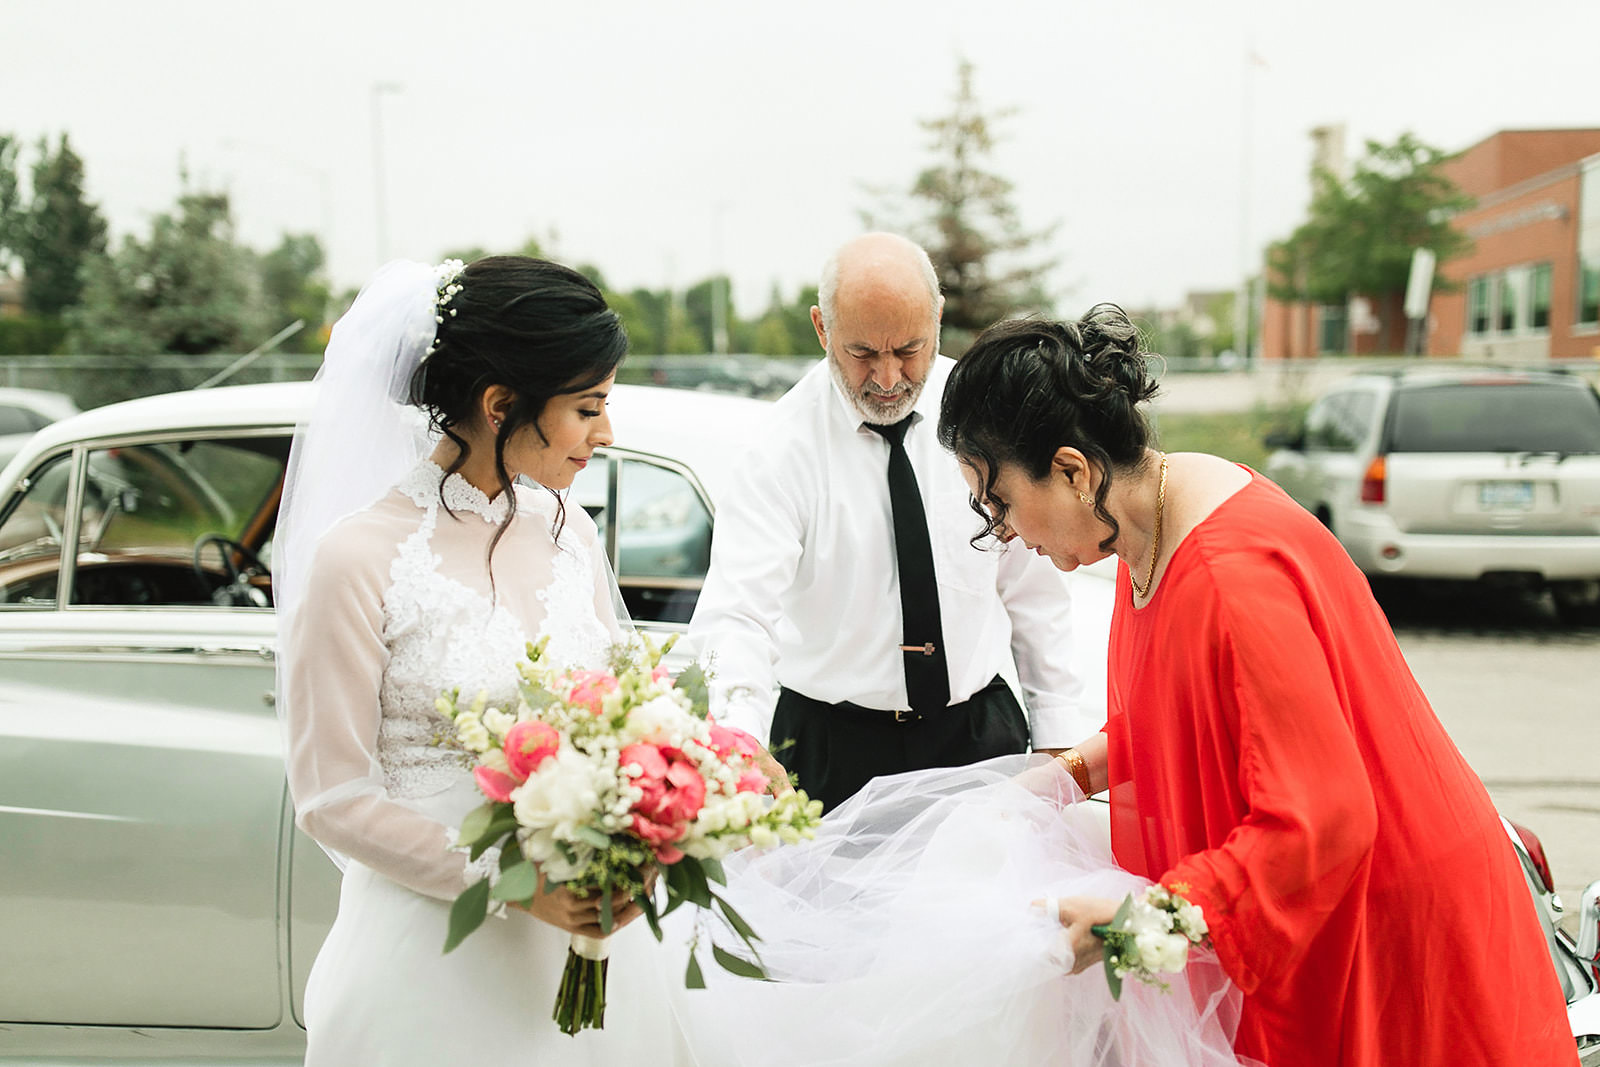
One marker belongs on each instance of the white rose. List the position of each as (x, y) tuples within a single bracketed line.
[(660, 721)]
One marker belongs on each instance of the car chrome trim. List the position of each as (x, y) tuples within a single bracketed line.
[(68, 651), (53, 813)]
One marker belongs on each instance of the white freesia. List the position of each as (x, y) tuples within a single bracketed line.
[(498, 721), (472, 735)]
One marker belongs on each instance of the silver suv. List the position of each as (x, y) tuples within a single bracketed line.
[(1457, 473)]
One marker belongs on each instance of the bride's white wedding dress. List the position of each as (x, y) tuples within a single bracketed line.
[(399, 608)]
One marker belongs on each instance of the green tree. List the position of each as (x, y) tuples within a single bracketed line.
[(8, 200), (989, 266), (1359, 233), (188, 288), (294, 287), (56, 232)]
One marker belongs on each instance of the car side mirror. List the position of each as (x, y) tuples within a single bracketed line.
[(1292, 440)]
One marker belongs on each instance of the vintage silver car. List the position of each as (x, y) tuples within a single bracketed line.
[(156, 901)]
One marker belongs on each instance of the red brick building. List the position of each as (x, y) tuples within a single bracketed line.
[(1530, 288)]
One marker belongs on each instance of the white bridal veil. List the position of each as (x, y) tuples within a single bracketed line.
[(904, 935)]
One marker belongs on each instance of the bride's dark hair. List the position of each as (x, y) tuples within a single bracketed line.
[(538, 328), (1028, 387)]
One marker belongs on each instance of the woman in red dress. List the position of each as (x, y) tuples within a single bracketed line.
[(1268, 753)]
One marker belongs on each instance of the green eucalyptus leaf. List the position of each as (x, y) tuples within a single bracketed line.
[(736, 921), (1113, 979), (738, 964), (520, 882), (467, 913), (692, 978), (590, 836), (510, 856), (476, 824), (648, 906), (712, 869)]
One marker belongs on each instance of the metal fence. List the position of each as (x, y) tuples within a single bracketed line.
[(92, 381)]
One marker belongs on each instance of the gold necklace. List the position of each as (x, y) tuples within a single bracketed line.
[(1155, 543)]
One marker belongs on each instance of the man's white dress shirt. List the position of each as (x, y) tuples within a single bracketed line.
[(802, 589)]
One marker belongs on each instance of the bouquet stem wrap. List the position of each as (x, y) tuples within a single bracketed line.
[(581, 1000)]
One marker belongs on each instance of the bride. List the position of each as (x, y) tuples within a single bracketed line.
[(408, 563), (404, 569)]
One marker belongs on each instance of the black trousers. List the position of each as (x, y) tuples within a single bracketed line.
[(833, 749)]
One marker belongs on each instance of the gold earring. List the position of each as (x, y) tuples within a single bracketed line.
[(1085, 497)]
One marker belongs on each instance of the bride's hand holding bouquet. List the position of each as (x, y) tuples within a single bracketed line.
[(596, 780)]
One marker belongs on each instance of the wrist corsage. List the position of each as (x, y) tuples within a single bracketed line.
[(1150, 935)]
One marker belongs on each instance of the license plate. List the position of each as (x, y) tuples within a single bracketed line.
[(1505, 496)]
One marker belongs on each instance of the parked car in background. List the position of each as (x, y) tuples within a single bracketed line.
[(24, 412), (1458, 473)]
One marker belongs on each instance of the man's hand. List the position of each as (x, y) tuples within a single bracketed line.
[(777, 778)]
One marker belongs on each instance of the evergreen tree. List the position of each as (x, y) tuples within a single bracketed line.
[(988, 264), (56, 232)]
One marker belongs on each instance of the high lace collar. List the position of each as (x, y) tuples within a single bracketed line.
[(460, 495)]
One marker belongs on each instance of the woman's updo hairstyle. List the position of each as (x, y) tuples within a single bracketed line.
[(1028, 387), (538, 328)]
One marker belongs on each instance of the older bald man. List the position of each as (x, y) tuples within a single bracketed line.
[(852, 624)]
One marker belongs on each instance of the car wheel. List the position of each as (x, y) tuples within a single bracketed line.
[(1577, 603)]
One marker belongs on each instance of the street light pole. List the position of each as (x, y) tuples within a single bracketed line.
[(719, 284), (379, 199)]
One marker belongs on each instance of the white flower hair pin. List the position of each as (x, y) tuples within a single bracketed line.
[(445, 289)]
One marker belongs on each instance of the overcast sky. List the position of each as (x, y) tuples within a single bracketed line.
[(662, 139)]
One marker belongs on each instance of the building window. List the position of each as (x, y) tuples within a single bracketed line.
[(1539, 297), (1333, 336), (1478, 305), (1589, 292), (1507, 304)]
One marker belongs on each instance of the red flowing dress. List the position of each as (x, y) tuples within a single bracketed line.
[(1270, 753)]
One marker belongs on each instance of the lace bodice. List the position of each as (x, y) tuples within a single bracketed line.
[(402, 608)]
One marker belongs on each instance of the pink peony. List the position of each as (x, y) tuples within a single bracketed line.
[(673, 791), (496, 785), (752, 781), (726, 741), (589, 688), (529, 744), (661, 674)]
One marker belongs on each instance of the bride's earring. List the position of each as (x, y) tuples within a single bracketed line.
[(1085, 497)]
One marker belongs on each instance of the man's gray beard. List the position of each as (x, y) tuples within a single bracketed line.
[(874, 413)]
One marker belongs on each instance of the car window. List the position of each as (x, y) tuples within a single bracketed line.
[(1336, 423), (32, 525), (1496, 417), (663, 538), (179, 523), (15, 420)]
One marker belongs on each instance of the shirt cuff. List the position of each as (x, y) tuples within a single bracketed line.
[(1063, 725)]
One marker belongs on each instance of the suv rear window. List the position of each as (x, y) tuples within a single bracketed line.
[(1498, 417)]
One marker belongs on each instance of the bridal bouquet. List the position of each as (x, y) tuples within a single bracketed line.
[(1150, 935), (595, 779)]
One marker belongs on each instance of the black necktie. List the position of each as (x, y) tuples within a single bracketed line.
[(922, 648)]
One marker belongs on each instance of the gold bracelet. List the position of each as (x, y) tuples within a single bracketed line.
[(1075, 765)]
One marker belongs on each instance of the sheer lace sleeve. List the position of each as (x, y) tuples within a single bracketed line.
[(335, 657)]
